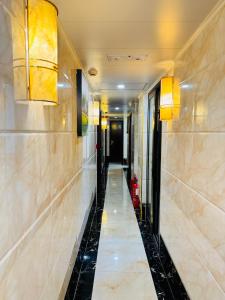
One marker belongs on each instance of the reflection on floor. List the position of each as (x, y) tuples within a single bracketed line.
[(167, 281), (126, 265), (82, 278), (122, 270)]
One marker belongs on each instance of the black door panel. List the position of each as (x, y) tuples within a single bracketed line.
[(116, 141)]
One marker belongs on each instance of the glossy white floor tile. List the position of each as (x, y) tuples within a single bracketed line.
[(122, 270)]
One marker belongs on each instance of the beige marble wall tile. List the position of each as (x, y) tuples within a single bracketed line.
[(24, 190), (177, 233), (208, 166), (208, 237), (206, 48), (46, 186), (193, 166), (196, 160), (48, 248), (209, 103), (179, 149)]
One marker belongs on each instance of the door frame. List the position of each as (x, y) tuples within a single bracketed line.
[(129, 148), (99, 153), (154, 209)]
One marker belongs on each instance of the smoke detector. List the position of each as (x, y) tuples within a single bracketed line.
[(92, 72)]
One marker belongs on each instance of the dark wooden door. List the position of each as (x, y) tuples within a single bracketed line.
[(116, 141)]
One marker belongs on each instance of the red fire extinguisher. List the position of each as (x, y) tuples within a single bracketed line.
[(135, 192), (132, 186), (136, 202)]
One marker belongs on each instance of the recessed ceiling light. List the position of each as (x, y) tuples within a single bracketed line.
[(117, 108), (66, 76), (60, 85), (185, 86), (121, 86)]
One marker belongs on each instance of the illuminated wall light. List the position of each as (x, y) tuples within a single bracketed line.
[(104, 107), (104, 103), (41, 62), (169, 99), (94, 113), (104, 123), (104, 217)]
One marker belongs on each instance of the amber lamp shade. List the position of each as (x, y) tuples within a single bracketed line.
[(94, 113), (169, 99), (41, 62), (104, 123)]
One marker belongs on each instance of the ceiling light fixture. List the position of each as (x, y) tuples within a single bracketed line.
[(121, 86), (185, 86), (117, 108)]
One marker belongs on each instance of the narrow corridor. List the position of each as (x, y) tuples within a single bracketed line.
[(122, 270), (112, 150)]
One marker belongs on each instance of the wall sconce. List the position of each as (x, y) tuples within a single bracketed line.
[(94, 113), (104, 123), (169, 99), (41, 62), (104, 107)]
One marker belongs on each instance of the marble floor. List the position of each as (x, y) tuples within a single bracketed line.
[(122, 269)]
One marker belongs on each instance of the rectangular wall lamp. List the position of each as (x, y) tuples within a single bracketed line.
[(94, 113), (40, 66), (104, 123), (169, 98)]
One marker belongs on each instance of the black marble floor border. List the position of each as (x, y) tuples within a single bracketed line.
[(82, 279), (166, 279)]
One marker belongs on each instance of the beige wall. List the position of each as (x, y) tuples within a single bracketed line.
[(193, 166), (46, 186)]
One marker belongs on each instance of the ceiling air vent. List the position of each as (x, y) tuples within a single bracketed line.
[(126, 58)]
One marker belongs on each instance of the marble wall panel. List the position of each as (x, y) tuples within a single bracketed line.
[(193, 166), (177, 232), (205, 49), (46, 185)]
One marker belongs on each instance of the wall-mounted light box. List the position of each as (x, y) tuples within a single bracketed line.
[(94, 112), (104, 123), (169, 99), (40, 64)]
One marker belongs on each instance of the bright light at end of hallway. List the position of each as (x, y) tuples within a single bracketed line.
[(121, 86)]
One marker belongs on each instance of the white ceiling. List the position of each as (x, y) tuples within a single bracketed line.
[(156, 29)]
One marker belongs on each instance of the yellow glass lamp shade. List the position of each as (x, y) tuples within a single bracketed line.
[(95, 108), (169, 99), (104, 123), (104, 107), (42, 54)]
